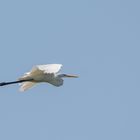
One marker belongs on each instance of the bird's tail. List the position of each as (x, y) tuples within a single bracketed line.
[(26, 85)]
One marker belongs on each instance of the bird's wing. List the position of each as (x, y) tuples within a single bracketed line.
[(29, 75), (26, 85), (40, 70), (50, 68)]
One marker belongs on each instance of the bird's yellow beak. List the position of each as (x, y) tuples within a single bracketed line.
[(71, 76)]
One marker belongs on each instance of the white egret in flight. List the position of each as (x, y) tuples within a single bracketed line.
[(41, 73)]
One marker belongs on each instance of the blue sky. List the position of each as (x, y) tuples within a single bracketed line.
[(99, 41)]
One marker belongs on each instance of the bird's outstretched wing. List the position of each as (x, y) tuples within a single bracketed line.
[(50, 68), (26, 85), (39, 70)]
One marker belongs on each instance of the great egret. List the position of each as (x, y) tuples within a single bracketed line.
[(41, 73)]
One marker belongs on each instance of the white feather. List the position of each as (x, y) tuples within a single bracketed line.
[(50, 68), (43, 73), (26, 85)]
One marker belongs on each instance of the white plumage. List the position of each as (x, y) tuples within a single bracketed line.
[(41, 73), (44, 73)]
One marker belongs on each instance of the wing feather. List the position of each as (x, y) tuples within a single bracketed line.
[(50, 68), (26, 85), (38, 71)]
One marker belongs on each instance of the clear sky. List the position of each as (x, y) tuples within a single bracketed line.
[(99, 40)]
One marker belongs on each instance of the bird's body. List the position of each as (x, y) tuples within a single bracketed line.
[(41, 73)]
